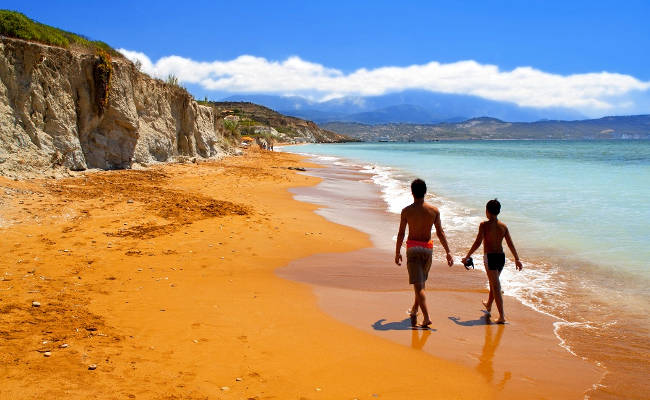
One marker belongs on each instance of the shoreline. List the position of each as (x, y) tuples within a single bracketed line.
[(370, 273), (588, 325), (163, 280)]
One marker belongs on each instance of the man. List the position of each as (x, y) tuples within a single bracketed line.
[(420, 218)]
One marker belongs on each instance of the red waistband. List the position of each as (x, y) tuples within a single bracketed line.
[(417, 243)]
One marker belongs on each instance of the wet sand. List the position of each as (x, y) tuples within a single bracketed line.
[(163, 279), (363, 288)]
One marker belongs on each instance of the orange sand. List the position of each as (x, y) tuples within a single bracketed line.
[(164, 279)]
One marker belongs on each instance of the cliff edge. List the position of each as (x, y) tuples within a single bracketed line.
[(58, 109)]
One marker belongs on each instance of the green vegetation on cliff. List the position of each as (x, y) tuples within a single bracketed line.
[(16, 25)]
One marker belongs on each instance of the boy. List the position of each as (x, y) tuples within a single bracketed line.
[(491, 233), (420, 217)]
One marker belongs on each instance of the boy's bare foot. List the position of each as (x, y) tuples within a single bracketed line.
[(425, 324), (501, 320), (485, 304)]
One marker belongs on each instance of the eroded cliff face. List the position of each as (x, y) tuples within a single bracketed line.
[(50, 120)]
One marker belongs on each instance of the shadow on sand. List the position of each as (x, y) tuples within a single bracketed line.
[(403, 325), (482, 320)]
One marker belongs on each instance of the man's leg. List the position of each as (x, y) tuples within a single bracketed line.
[(414, 310), (416, 303), (495, 286), (422, 302)]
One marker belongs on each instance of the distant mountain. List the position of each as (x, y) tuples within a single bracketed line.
[(622, 127), (412, 106)]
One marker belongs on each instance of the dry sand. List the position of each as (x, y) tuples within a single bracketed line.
[(164, 280)]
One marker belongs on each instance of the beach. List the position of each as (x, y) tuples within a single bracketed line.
[(163, 280), (577, 227), (237, 279)]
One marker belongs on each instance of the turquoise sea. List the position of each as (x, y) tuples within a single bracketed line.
[(578, 211), (586, 199)]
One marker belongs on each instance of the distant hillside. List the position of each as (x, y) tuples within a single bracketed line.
[(411, 106), (624, 127), (255, 120)]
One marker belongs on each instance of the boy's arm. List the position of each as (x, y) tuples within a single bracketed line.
[(511, 246), (443, 239), (477, 243), (400, 238)]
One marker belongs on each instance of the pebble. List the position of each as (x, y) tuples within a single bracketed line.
[(92, 367), (225, 388), (36, 304), (47, 354), (238, 379), (64, 346), (129, 201)]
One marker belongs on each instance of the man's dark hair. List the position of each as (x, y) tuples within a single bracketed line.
[(493, 207), (418, 188)]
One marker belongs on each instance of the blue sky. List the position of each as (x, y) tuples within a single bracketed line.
[(556, 38)]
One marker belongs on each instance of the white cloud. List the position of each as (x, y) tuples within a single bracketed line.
[(525, 86)]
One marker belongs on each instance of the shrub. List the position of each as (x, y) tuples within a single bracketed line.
[(172, 80), (230, 126), (102, 74)]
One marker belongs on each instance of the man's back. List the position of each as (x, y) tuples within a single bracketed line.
[(420, 218)]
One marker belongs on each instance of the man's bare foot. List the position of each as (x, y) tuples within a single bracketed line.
[(485, 304), (501, 320), (425, 324), (413, 317)]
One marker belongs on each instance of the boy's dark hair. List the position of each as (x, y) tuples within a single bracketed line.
[(493, 207), (418, 188)]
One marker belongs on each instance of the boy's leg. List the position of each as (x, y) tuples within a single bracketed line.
[(495, 288), (488, 304), (422, 301)]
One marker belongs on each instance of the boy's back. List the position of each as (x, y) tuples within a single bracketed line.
[(494, 231)]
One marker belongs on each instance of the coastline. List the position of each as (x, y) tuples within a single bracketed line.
[(163, 279), (364, 289)]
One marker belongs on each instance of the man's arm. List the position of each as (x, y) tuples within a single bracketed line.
[(443, 239), (400, 238), (511, 246), (477, 243)]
